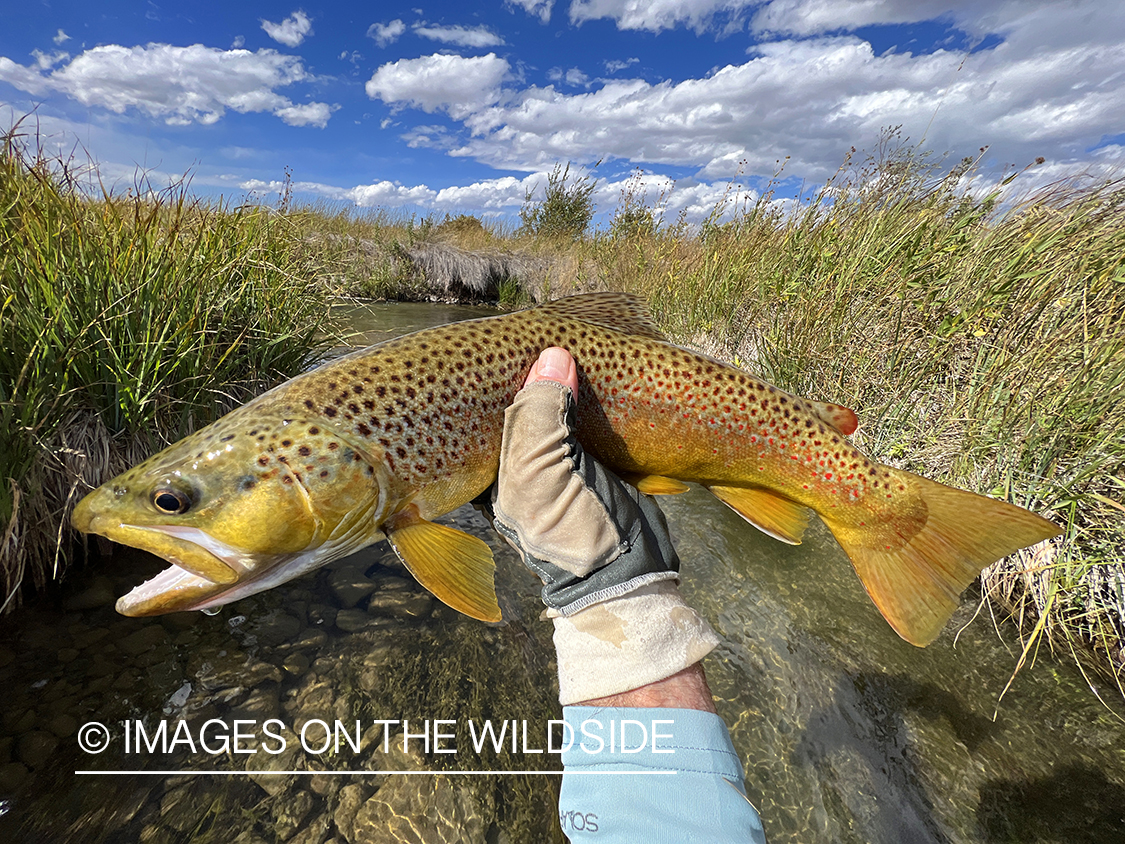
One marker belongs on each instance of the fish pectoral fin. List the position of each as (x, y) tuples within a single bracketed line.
[(771, 514), (843, 420), (457, 568), (654, 484)]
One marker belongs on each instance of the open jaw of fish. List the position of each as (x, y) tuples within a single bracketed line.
[(204, 572), (384, 440)]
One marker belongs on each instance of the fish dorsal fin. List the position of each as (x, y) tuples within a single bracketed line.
[(457, 568), (771, 514), (843, 420), (619, 311)]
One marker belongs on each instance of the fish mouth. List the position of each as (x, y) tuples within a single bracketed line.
[(180, 588)]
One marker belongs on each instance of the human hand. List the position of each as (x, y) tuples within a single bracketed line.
[(600, 546)]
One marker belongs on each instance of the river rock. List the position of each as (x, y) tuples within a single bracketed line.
[(146, 638), (419, 810), (288, 814), (296, 664), (274, 628), (234, 668), (400, 603), (63, 725), (315, 832), (352, 620), (261, 705), (350, 584), (36, 748), (308, 638), (351, 798), (98, 594), (292, 758)]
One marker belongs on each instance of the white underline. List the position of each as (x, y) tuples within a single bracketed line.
[(362, 773)]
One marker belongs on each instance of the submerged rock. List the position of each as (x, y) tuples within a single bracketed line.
[(419, 810)]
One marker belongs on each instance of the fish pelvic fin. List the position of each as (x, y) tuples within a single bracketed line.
[(457, 568), (843, 420), (654, 484), (915, 576), (619, 311), (770, 513)]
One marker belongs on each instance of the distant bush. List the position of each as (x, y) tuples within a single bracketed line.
[(566, 209)]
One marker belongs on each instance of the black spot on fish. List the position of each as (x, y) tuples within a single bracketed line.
[(330, 412), (304, 451)]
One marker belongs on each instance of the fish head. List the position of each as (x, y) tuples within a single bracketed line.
[(239, 507)]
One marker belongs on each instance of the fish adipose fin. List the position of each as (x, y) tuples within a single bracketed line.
[(619, 311), (916, 578), (771, 514), (654, 484), (843, 420), (457, 568)]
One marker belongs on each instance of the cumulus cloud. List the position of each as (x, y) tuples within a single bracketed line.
[(1045, 89), (386, 34), (692, 199), (536, 8), (662, 14), (461, 36), (455, 84), (60, 37), (179, 84), (291, 31)]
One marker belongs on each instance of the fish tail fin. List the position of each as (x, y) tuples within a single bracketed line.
[(915, 568)]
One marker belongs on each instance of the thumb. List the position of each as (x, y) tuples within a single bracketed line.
[(554, 364)]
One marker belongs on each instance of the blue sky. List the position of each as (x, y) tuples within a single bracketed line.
[(448, 107)]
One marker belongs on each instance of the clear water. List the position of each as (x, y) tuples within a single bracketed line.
[(847, 733)]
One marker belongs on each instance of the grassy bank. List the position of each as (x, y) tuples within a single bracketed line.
[(126, 320)]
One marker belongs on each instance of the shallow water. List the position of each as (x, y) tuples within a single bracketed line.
[(847, 734)]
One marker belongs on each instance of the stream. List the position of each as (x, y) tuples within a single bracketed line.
[(280, 717)]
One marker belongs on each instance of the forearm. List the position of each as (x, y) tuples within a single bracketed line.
[(686, 689)]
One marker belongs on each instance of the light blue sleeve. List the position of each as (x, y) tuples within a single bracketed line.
[(653, 775)]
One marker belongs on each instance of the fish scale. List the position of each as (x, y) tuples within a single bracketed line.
[(386, 439)]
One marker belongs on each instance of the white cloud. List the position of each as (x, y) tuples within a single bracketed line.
[(238, 42), (179, 84), (461, 36), (573, 76), (45, 61), (658, 15), (1045, 89), (461, 86), (309, 114), (291, 31), (386, 33), (60, 37), (536, 8), (614, 65)]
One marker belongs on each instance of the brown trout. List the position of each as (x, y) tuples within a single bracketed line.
[(381, 442)]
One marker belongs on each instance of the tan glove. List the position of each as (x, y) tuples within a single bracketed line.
[(602, 550)]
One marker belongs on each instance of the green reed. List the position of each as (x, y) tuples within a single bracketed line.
[(127, 319)]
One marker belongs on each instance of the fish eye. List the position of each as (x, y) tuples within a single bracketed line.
[(170, 501)]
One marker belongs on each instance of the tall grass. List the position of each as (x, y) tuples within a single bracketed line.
[(126, 320), (982, 349)]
